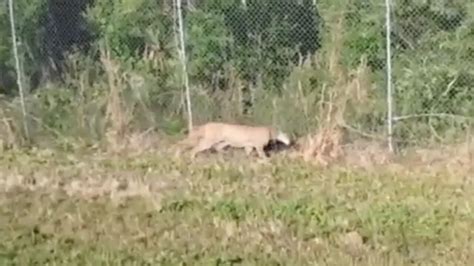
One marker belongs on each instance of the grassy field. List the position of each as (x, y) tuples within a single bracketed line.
[(149, 209)]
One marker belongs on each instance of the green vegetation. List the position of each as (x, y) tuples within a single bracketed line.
[(88, 209), (246, 63), (103, 76)]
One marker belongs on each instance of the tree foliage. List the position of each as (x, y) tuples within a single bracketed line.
[(263, 40)]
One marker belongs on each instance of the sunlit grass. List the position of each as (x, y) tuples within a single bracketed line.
[(90, 209)]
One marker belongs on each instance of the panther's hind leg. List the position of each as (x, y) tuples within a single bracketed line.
[(201, 146)]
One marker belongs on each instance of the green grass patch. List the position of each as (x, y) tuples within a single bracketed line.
[(220, 213)]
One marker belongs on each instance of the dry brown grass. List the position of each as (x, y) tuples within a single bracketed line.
[(117, 115), (453, 160), (8, 138), (150, 208), (348, 88)]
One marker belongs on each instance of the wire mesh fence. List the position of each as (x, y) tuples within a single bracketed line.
[(294, 63), (433, 62)]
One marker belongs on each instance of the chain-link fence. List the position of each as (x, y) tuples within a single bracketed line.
[(433, 70), (294, 63)]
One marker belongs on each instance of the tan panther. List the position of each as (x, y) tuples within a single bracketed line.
[(220, 135)]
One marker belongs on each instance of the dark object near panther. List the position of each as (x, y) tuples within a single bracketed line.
[(274, 146)]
